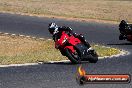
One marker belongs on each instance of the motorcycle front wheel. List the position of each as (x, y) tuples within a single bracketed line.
[(73, 57), (93, 57)]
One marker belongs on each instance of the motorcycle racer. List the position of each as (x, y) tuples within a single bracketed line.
[(57, 31), (72, 45), (125, 30)]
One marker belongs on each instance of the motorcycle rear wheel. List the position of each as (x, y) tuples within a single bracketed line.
[(74, 58)]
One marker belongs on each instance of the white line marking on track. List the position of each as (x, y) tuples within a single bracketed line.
[(28, 36), (33, 37), (21, 35), (13, 34), (49, 39), (14, 65), (41, 38), (6, 33)]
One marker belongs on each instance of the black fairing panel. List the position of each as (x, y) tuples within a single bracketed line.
[(82, 49)]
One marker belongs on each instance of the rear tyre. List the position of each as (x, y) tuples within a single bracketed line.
[(74, 58)]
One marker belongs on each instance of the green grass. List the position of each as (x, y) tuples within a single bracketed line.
[(16, 50), (113, 10)]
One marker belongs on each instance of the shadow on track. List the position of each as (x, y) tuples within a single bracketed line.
[(65, 63), (121, 43), (59, 63)]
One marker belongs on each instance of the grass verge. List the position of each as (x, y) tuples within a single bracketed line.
[(113, 10), (18, 50)]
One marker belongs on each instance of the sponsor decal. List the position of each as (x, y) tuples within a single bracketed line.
[(83, 78)]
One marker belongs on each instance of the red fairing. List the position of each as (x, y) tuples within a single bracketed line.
[(74, 41), (60, 42), (66, 38), (129, 38)]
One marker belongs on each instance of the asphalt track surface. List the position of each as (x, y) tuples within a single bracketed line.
[(63, 75)]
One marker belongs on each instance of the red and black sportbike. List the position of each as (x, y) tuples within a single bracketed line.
[(125, 31), (73, 48)]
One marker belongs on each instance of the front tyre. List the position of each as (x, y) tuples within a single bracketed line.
[(93, 57), (121, 37), (73, 57)]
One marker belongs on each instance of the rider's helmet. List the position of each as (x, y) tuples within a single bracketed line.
[(123, 25), (52, 28)]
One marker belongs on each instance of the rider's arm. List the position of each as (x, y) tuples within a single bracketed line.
[(54, 37), (64, 28)]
